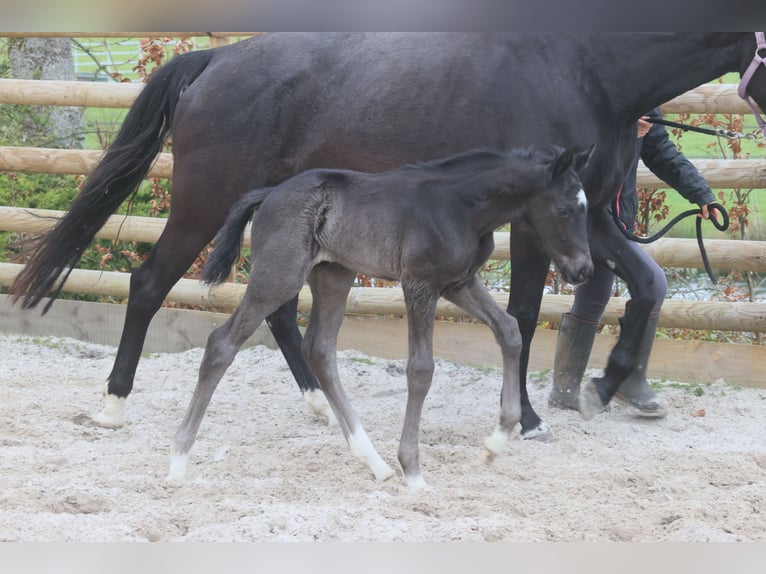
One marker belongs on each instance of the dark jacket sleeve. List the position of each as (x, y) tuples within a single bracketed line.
[(661, 157)]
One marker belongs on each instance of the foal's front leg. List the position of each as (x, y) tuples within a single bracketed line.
[(330, 284), (420, 300), (476, 300)]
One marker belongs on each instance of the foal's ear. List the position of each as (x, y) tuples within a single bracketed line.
[(570, 157), (582, 158)]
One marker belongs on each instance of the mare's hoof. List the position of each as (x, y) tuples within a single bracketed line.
[(113, 415), (541, 433), (590, 401)]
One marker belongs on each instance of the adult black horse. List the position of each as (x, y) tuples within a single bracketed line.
[(257, 112)]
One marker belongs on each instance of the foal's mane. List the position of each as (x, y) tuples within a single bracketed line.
[(480, 155)]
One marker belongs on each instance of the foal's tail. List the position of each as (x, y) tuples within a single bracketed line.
[(228, 240), (116, 177)]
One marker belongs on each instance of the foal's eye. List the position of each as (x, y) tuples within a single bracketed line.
[(562, 212)]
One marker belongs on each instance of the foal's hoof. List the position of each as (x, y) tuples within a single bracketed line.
[(541, 433), (113, 415), (417, 484), (488, 456), (495, 443), (566, 398), (590, 401), (318, 405), (177, 472)]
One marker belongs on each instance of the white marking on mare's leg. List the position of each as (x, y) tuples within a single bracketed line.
[(361, 448), (113, 415), (318, 405), (177, 471)]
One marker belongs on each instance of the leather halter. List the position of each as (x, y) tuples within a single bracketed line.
[(758, 60)]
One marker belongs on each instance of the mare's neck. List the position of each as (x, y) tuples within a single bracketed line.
[(647, 70)]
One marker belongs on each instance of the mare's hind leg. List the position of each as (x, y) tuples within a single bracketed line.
[(284, 326), (420, 300), (171, 256), (476, 300), (330, 284)]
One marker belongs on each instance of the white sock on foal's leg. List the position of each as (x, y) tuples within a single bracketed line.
[(361, 448), (495, 443)]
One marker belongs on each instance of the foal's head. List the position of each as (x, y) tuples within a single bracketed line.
[(558, 212)]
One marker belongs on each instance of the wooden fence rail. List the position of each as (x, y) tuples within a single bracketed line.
[(724, 254), (741, 173), (742, 316), (709, 98)]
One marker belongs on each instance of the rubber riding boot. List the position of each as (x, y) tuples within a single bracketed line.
[(635, 390), (573, 347)]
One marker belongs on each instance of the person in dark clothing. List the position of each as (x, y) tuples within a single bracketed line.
[(578, 327)]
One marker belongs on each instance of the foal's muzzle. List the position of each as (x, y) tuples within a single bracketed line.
[(577, 272)]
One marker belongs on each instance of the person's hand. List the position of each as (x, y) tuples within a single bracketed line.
[(706, 213), (643, 126)]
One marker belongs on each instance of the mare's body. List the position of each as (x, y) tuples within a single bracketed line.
[(257, 112)]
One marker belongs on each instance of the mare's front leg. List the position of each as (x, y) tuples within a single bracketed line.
[(610, 247), (420, 300), (330, 284), (529, 269), (476, 300)]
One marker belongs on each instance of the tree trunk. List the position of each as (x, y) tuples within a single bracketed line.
[(47, 59)]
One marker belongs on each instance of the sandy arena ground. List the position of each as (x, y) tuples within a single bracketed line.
[(263, 469)]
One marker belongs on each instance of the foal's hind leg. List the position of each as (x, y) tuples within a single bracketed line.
[(330, 284), (222, 346), (476, 300), (265, 292)]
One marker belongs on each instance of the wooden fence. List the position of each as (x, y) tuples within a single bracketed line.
[(457, 340)]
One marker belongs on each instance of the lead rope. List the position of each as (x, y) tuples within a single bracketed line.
[(721, 226)]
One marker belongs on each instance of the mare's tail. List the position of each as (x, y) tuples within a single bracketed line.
[(227, 241), (116, 177)]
